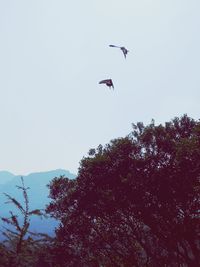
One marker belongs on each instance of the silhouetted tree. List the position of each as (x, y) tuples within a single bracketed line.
[(22, 245), (135, 202)]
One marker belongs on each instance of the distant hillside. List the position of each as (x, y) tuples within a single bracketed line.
[(38, 194), (5, 177)]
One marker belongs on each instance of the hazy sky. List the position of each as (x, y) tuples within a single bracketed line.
[(53, 53)]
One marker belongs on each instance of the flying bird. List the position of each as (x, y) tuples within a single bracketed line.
[(108, 82), (124, 50)]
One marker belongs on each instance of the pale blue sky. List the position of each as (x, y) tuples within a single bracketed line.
[(54, 53)]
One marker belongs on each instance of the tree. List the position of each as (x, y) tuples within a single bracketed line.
[(22, 245), (135, 202)]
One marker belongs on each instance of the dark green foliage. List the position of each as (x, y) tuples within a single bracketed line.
[(135, 202)]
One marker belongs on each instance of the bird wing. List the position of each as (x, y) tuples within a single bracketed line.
[(104, 81), (125, 51), (114, 46), (108, 82)]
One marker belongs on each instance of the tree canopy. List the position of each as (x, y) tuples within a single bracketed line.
[(135, 202)]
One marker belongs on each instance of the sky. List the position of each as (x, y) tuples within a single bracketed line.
[(53, 53)]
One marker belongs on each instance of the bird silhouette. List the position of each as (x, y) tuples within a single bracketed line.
[(108, 82), (124, 50)]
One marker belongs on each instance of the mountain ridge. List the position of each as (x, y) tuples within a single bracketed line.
[(6, 176)]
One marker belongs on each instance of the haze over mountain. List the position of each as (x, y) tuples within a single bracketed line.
[(5, 177), (37, 193)]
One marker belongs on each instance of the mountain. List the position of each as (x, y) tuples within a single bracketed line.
[(37, 193), (5, 177)]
